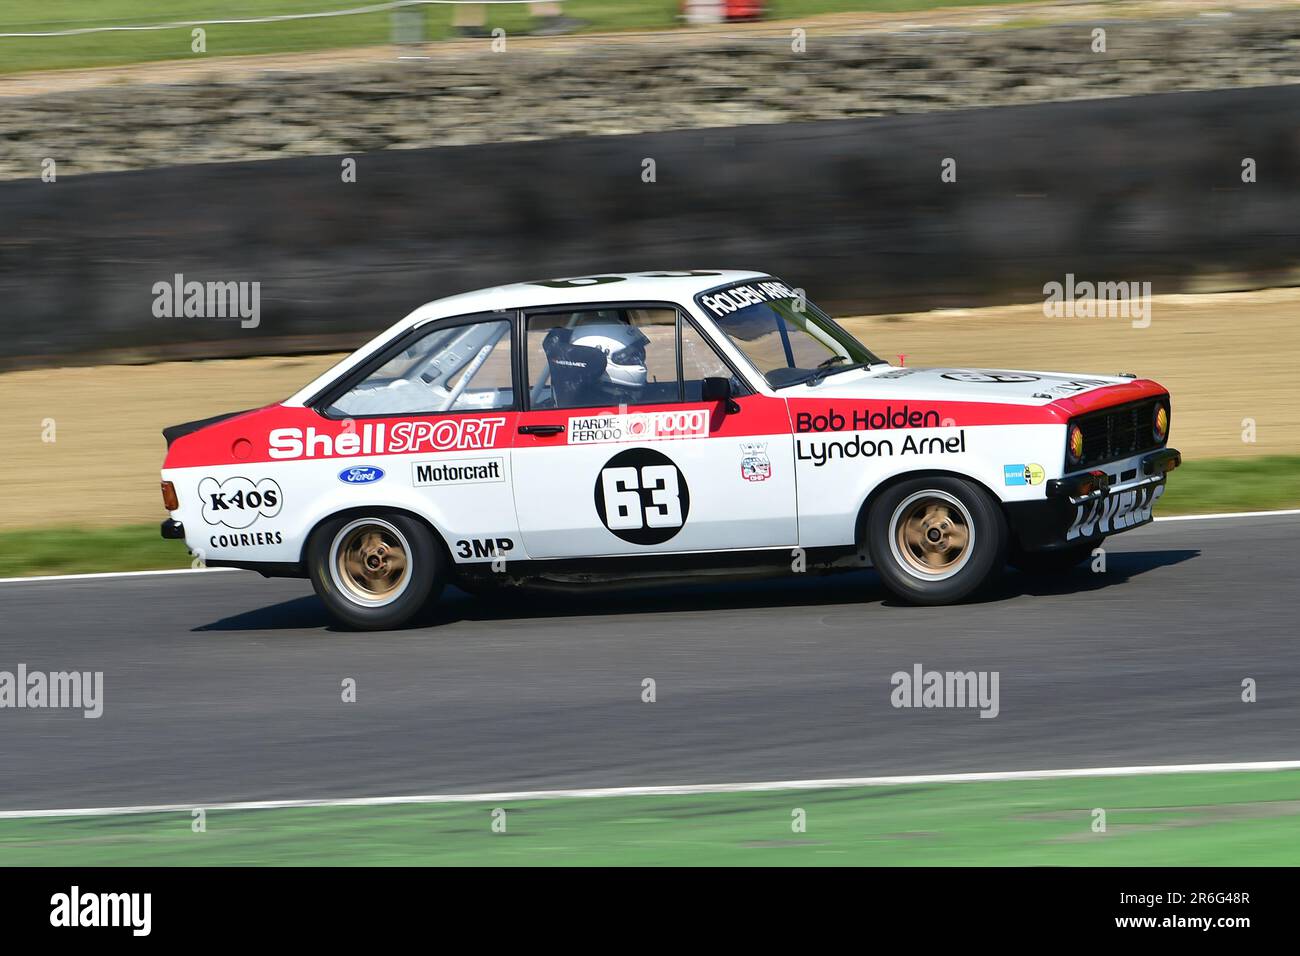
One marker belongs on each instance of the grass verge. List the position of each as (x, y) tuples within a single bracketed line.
[(1242, 819), (295, 36), (1199, 487)]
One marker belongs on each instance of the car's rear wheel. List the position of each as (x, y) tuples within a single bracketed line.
[(936, 540), (374, 572), (1055, 561)]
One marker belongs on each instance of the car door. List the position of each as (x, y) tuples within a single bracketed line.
[(617, 453), (440, 405)]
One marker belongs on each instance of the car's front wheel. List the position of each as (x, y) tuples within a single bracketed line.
[(936, 540), (374, 572)]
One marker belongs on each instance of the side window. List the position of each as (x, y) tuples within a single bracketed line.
[(602, 357), (700, 361), (460, 369)]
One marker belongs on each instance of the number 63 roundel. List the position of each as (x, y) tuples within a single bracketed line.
[(641, 496)]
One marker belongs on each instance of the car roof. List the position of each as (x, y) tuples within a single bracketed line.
[(652, 286)]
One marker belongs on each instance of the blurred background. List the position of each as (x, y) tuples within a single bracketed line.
[(923, 168)]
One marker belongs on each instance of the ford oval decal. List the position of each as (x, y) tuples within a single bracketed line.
[(360, 475)]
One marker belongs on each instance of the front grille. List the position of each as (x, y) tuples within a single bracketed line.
[(1119, 432)]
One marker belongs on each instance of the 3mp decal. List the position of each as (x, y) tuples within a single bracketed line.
[(361, 475), (641, 496), (238, 502)]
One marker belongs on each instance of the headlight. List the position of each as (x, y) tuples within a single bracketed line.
[(1074, 445), (1160, 422)]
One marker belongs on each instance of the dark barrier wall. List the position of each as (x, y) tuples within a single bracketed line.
[(855, 211)]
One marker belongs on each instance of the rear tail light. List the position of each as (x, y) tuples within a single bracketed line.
[(169, 496)]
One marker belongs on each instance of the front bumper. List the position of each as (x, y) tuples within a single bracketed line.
[(1104, 501)]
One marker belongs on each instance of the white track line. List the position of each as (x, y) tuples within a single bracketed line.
[(1232, 514), (136, 574), (112, 574), (682, 790)]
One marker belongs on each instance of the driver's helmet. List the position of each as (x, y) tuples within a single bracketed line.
[(624, 348)]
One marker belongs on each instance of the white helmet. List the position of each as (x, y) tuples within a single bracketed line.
[(624, 348)]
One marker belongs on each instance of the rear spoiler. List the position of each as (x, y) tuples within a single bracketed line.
[(174, 432)]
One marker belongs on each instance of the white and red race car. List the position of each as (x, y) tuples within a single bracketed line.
[(624, 427)]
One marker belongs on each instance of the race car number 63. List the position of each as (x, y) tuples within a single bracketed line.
[(641, 496), (623, 506)]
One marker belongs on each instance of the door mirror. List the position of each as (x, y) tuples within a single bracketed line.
[(719, 390)]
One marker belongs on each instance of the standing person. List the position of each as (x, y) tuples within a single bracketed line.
[(470, 20)]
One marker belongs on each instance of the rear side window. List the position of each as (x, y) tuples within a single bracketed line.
[(465, 368)]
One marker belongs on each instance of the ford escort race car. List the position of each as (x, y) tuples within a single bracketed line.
[(622, 427)]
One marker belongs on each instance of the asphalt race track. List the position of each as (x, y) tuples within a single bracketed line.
[(221, 687)]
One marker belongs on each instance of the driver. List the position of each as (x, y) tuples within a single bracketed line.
[(601, 363)]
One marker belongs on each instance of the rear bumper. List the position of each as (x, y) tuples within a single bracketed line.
[(172, 530), (1105, 501)]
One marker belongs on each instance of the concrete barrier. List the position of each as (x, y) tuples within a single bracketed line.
[(855, 211)]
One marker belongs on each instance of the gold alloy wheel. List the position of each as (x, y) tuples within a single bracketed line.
[(933, 535), (370, 562)]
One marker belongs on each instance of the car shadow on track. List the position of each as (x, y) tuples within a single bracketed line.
[(814, 590), (1120, 567)]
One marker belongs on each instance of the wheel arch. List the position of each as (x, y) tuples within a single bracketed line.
[(860, 528), (361, 511)]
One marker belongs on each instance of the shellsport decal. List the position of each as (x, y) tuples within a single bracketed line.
[(447, 434), (642, 497)]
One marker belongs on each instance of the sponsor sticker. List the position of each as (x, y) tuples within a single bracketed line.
[(459, 471), (868, 419), (1022, 474), (1073, 387), (484, 548), (820, 452), (744, 295), (447, 434), (237, 502), (361, 475), (1115, 512), (754, 463), (639, 426), (990, 378), (247, 539)]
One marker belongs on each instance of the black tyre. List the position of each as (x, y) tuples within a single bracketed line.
[(1056, 561), (375, 572), (936, 540)]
